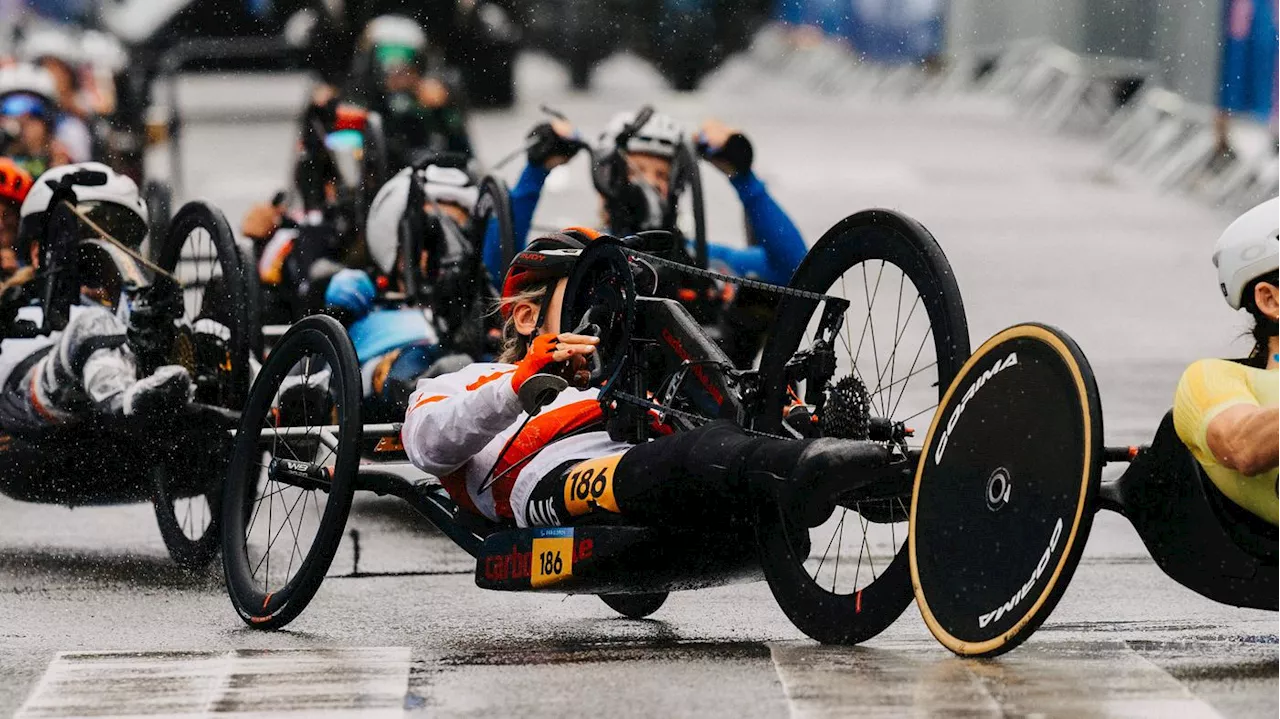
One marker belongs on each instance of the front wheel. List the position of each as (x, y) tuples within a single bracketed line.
[(287, 495), (871, 372)]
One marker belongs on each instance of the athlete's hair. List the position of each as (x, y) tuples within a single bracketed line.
[(1264, 328), (513, 344)]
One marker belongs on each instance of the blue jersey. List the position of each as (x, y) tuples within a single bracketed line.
[(382, 331), (775, 256)]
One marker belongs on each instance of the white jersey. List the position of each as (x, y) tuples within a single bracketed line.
[(459, 423)]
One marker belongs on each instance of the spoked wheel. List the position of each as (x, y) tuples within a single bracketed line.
[(1004, 494), (212, 342), (288, 492), (635, 606), (872, 373)]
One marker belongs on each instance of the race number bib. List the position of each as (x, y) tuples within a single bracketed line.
[(590, 486)]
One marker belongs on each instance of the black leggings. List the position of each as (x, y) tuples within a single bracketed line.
[(694, 478)]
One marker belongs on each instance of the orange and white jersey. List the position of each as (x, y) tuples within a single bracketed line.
[(459, 423)]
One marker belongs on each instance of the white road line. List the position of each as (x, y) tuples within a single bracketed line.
[(328, 683), (1061, 679)]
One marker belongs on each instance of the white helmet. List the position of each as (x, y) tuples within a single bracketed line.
[(443, 184), (660, 136), (55, 43), (29, 79), (113, 205), (104, 51), (1248, 249), (395, 30)]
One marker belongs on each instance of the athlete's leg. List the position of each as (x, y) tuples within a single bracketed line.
[(716, 474)]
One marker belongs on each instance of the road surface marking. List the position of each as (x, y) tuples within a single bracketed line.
[(328, 683), (1060, 679)]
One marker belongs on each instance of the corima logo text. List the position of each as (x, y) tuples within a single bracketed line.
[(1009, 361), (1018, 596)]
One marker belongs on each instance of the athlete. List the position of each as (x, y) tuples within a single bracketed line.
[(1225, 411), (469, 429), (390, 78), (397, 345), (29, 119), (640, 196), (89, 367)]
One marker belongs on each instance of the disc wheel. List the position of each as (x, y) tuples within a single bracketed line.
[(1005, 492), (635, 606), (902, 338), (292, 474), (200, 250)]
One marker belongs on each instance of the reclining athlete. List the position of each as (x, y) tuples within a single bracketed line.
[(1225, 411), (396, 344), (90, 366), (642, 199), (468, 429)]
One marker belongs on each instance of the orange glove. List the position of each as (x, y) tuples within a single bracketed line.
[(549, 349)]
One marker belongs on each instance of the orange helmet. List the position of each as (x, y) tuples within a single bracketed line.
[(15, 182)]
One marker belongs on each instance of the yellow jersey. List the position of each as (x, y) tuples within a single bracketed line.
[(1206, 389)]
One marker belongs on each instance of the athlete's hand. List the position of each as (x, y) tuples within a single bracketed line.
[(568, 350), (725, 147), (432, 93), (262, 221), (554, 143)]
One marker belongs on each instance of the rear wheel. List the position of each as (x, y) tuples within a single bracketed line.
[(635, 606), (888, 360), (292, 475), (200, 251)]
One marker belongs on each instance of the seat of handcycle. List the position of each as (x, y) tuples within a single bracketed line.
[(615, 559), (1196, 535)]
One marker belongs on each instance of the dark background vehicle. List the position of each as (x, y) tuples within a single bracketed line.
[(684, 39), (476, 40)]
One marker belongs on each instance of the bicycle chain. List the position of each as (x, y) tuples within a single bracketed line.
[(740, 281), (632, 399)]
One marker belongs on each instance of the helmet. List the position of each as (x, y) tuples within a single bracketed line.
[(112, 204), (660, 136), (104, 51), (351, 290), (550, 256), (51, 42), (25, 79), (443, 184), (395, 40), (15, 182), (1247, 249)]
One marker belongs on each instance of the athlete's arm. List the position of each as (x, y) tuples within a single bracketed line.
[(450, 420), (524, 201), (1243, 438), (779, 239)]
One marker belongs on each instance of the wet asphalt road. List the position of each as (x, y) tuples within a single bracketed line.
[(1035, 227)]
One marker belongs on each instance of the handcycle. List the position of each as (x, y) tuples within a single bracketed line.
[(177, 464), (432, 263), (870, 332), (1010, 480)]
